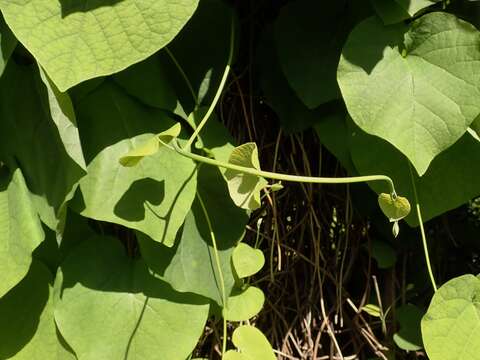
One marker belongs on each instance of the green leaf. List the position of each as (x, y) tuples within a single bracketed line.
[(400, 83), (35, 336), (148, 81), (75, 40), (247, 261), (110, 307), (43, 151), (8, 42), (251, 343), (372, 310), (394, 208), (451, 326), (21, 230), (244, 304), (151, 147), (450, 181), (309, 40), (245, 188), (409, 337), (394, 11), (190, 265), (153, 197), (63, 115)]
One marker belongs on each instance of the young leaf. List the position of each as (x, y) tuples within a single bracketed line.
[(394, 208), (245, 188), (372, 310), (151, 147), (247, 261), (76, 40), (21, 231), (251, 345), (110, 307), (244, 304), (400, 82), (451, 326)]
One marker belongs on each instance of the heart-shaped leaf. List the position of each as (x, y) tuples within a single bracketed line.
[(151, 147), (245, 188), (451, 326), (394, 207), (247, 261), (251, 345), (244, 304), (399, 82), (78, 40)]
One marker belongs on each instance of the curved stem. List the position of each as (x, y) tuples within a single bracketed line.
[(184, 75), (422, 231), (285, 177), (219, 269), (219, 90)]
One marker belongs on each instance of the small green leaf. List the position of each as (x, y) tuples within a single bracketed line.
[(245, 188), (247, 261), (245, 304), (151, 147), (451, 326), (394, 208), (372, 310), (251, 345)]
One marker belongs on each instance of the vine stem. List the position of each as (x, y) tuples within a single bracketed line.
[(284, 177), (219, 269), (219, 90), (422, 231)]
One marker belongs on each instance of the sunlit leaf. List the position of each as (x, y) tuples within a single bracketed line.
[(244, 304), (247, 261), (251, 345), (394, 208)]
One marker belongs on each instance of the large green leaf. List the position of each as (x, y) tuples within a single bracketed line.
[(34, 337), (21, 231), (153, 197), (76, 40), (450, 181), (451, 326), (309, 39), (110, 307), (43, 151), (415, 86), (190, 266)]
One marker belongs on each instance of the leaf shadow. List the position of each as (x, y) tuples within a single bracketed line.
[(140, 196), (69, 7)]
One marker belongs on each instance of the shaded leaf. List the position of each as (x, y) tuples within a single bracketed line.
[(110, 307), (247, 261), (251, 344), (394, 11), (409, 336), (400, 82), (383, 254), (245, 188), (451, 326), (8, 42), (21, 230), (76, 40)]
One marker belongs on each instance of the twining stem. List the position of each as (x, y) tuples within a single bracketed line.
[(219, 269), (422, 231), (284, 177), (184, 76), (219, 90)]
